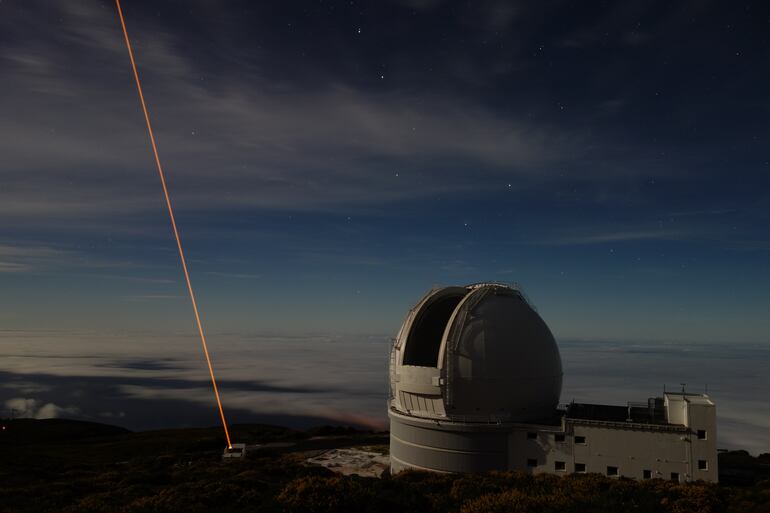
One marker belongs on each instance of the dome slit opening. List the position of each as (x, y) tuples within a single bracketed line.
[(424, 341)]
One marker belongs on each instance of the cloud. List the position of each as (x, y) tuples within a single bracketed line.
[(53, 411), (26, 407), (30, 251), (616, 236), (21, 405), (332, 405), (13, 267), (277, 149), (257, 375), (703, 212), (25, 387), (74, 145), (35, 257), (28, 258), (150, 297), (343, 378), (237, 276), (140, 279)]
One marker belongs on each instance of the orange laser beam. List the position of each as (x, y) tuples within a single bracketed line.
[(173, 223)]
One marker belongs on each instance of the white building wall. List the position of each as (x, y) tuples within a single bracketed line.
[(684, 452), (543, 450), (632, 451), (664, 453), (701, 422)]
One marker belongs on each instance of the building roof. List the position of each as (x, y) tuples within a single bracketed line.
[(702, 399), (638, 413)]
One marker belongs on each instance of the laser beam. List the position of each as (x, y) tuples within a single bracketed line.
[(173, 222)]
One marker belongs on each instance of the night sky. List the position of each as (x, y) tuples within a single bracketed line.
[(331, 161)]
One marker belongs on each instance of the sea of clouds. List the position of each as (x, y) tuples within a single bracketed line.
[(154, 380)]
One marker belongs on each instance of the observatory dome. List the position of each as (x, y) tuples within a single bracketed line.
[(478, 353)]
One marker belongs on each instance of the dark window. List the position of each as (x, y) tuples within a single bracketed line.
[(560, 465), (612, 471), (580, 467), (703, 465), (675, 476), (647, 474), (580, 440), (559, 437), (531, 435), (424, 341), (531, 462), (701, 434)]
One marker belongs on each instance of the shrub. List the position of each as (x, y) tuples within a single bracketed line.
[(314, 494)]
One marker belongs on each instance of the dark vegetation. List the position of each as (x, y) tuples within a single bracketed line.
[(742, 469), (67, 466)]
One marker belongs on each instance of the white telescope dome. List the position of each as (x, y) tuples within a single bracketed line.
[(475, 353)]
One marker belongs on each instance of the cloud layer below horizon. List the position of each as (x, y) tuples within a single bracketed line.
[(308, 381)]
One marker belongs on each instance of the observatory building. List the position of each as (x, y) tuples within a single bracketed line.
[(475, 380)]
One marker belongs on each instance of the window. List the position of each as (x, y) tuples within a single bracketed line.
[(560, 466), (675, 476), (531, 462), (701, 434), (531, 435), (559, 437), (580, 440), (612, 471), (580, 468), (703, 465), (647, 474)]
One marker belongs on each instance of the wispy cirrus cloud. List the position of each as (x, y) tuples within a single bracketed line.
[(14, 267), (36, 257), (239, 141), (237, 276), (30, 252), (617, 236), (29, 258), (151, 297)]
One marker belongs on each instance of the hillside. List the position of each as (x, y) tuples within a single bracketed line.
[(84, 467)]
